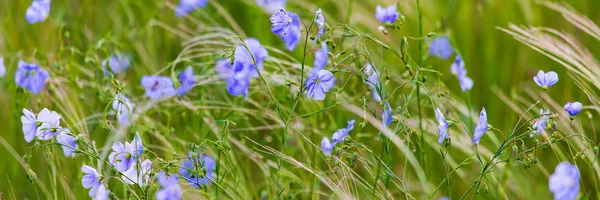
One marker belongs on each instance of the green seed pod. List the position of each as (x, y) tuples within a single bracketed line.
[(26, 158), (31, 176)]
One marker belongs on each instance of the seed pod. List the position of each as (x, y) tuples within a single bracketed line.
[(31, 176)]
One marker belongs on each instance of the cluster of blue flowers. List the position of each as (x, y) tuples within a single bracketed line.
[(246, 63)]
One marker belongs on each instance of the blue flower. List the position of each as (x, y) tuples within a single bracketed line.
[(573, 108), (387, 15), (272, 6), (318, 84), (564, 182), (30, 125), (458, 68), (67, 142), (123, 107), (187, 81), (158, 87), (321, 59), (187, 6), (38, 11), (281, 21), (540, 124), (138, 148), (442, 125), (243, 69), (481, 127), (287, 26), (49, 124), (291, 40), (2, 67), (373, 81), (320, 20), (440, 47), (326, 146), (117, 63), (259, 53), (198, 170), (92, 179), (341, 134), (138, 175), (236, 76), (125, 156), (546, 80), (31, 76), (387, 117), (170, 187)]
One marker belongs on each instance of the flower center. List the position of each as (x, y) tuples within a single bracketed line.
[(155, 86), (128, 155)]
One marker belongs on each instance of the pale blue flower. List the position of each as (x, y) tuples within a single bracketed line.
[(321, 59), (320, 20), (2, 67), (124, 156), (442, 125), (293, 37), (117, 63), (158, 87), (287, 26), (237, 76), (573, 108), (564, 182), (243, 69), (30, 125), (540, 124), (373, 81), (272, 6), (458, 68), (259, 53), (387, 15), (546, 80), (138, 175), (124, 108), (31, 77), (170, 187), (49, 124), (326, 146), (193, 170), (186, 6), (481, 127), (93, 180), (387, 117), (281, 21), (318, 84), (186, 81), (440, 47), (38, 11), (341, 134), (67, 142)]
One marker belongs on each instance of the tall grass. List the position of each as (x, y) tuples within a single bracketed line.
[(267, 145)]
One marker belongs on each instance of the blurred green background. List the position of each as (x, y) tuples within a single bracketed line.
[(74, 28)]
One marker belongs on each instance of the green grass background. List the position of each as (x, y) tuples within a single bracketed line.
[(67, 40)]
